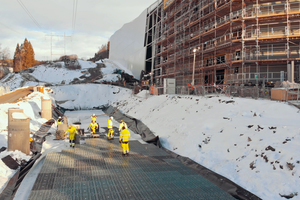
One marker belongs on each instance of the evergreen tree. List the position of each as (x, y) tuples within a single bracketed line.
[(24, 56), (17, 59), (31, 55)]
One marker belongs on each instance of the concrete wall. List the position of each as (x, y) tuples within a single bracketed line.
[(18, 131), (127, 45)]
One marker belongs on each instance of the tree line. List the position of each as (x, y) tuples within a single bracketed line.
[(24, 56), (102, 53)]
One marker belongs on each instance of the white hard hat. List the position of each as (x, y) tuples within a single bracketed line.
[(93, 114), (111, 118), (59, 117)]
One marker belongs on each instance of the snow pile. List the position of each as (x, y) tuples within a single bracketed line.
[(89, 96), (5, 172)]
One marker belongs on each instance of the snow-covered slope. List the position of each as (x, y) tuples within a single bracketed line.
[(254, 143), (58, 74)]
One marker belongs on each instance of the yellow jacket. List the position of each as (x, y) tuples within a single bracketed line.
[(121, 125), (72, 131), (93, 126), (109, 123), (124, 135)]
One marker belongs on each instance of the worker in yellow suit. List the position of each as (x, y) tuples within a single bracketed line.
[(110, 134), (93, 126), (59, 121), (124, 138), (122, 123), (94, 117), (71, 131)]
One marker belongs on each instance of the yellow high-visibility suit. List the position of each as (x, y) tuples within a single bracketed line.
[(124, 138), (109, 123), (93, 127), (121, 125), (110, 134), (71, 131)]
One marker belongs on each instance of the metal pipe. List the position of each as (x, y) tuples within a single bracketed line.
[(193, 78)]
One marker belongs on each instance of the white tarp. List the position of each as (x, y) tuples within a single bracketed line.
[(127, 45)]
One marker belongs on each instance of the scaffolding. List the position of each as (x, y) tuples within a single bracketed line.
[(228, 41)]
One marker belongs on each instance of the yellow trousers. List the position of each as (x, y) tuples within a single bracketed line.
[(110, 133), (125, 146)]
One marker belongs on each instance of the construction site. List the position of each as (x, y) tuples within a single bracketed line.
[(223, 42)]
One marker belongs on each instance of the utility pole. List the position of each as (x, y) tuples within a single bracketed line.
[(64, 36)]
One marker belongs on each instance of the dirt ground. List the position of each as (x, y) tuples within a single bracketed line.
[(13, 97)]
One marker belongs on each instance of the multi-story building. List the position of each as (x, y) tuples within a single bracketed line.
[(223, 41)]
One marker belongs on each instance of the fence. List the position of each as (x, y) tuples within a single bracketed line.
[(255, 77), (293, 94), (228, 90)]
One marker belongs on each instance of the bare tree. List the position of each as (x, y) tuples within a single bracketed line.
[(4, 53)]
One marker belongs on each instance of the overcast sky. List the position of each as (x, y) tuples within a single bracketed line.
[(91, 26)]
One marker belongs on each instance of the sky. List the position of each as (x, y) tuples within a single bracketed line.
[(86, 25), (231, 136)]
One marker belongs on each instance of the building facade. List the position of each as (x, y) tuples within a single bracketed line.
[(207, 42)]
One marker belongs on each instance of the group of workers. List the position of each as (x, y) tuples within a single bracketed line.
[(123, 129)]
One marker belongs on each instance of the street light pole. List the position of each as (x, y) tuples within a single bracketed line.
[(193, 79)]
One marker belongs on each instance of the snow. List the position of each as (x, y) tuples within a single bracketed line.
[(111, 66), (254, 143), (49, 74), (19, 115)]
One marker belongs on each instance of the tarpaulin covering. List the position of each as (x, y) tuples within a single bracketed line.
[(9, 188), (39, 136), (133, 124)]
